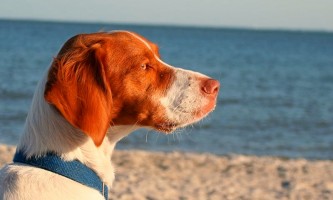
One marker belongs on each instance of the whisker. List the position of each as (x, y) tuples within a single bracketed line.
[(147, 133)]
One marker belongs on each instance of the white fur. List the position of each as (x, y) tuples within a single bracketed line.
[(183, 98)]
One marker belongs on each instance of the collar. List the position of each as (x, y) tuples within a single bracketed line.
[(74, 170)]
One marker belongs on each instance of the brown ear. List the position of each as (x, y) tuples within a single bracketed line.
[(77, 86)]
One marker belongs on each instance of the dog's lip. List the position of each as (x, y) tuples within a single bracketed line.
[(167, 127)]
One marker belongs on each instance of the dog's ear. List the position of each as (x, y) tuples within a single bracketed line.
[(78, 87)]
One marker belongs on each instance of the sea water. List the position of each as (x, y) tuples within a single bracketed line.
[(276, 96)]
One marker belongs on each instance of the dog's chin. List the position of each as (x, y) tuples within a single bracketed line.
[(166, 128), (169, 127)]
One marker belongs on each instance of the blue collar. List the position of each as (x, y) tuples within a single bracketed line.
[(74, 170)]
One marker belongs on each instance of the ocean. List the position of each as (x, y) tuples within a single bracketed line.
[(276, 97)]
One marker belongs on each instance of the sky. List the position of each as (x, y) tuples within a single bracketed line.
[(256, 14)]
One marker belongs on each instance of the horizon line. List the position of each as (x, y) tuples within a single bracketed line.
[(198, 26)]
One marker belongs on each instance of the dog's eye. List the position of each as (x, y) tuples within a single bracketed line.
[(144, 66)]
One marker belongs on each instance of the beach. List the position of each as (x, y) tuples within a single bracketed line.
[(177, 175)]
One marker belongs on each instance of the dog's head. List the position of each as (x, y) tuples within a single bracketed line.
[(118, 78)]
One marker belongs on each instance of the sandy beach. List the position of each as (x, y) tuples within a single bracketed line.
[(172, 176)]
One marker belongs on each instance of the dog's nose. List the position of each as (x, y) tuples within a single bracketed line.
[(210, 86)]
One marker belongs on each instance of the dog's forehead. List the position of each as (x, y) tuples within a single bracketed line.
[(151, 46), (141, 39)]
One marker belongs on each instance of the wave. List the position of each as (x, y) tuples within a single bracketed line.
[(6, 94)]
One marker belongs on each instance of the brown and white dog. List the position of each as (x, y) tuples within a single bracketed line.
[(99, 88)]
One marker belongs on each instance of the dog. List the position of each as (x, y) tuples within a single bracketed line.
[(98, 89)]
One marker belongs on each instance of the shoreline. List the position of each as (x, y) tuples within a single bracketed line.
[(178, 175)]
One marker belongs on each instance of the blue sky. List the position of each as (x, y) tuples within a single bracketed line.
[(267, 14)]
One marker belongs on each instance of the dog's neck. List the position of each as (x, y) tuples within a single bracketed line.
[(47, 131)]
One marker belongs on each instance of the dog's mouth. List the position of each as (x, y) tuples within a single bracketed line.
[(166, 127), (195, 116)]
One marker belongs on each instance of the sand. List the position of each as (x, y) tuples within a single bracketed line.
[(164, 176)]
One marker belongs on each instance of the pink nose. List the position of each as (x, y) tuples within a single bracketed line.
[(210, 86)]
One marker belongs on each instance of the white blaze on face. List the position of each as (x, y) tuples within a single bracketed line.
[(184, 100)]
